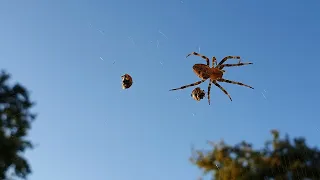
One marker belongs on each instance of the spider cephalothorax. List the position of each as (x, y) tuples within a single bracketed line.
[(126, 81), (214, 73), (198, 94)]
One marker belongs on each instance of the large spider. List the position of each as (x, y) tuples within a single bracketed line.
[(215, 74)]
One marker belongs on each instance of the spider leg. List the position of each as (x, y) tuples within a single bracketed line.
[(202, 56), (193, 84), (228, 57), (214, 61), (222, 89), (209, 88), (231, 65), (234, 82)]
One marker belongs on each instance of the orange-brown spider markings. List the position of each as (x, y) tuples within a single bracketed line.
[(214, 73)]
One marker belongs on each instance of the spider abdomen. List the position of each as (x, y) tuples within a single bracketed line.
[(202, 71), (205, 72)]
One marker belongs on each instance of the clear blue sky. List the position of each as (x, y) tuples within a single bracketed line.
[(89, 128)]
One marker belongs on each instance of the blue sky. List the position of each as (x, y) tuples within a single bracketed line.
[(89, 128)]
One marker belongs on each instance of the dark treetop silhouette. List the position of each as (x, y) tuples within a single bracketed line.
[(279, 160), (15, 121)]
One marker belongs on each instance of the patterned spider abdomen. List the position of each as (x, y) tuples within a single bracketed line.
[(198, 94), (126, 81)]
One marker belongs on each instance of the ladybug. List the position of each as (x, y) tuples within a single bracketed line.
[(126, 81)]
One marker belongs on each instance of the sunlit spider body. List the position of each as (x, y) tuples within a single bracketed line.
[(198, 94), (126, 81), (205, 72), (214, 73)]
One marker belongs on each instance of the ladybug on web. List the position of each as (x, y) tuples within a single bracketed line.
[(126, 81)]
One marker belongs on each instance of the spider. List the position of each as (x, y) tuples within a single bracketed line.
[(198, 94), (214, 73), (126, 81)]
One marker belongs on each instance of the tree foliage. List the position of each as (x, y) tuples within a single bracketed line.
[(280, 159), (15, 121)]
